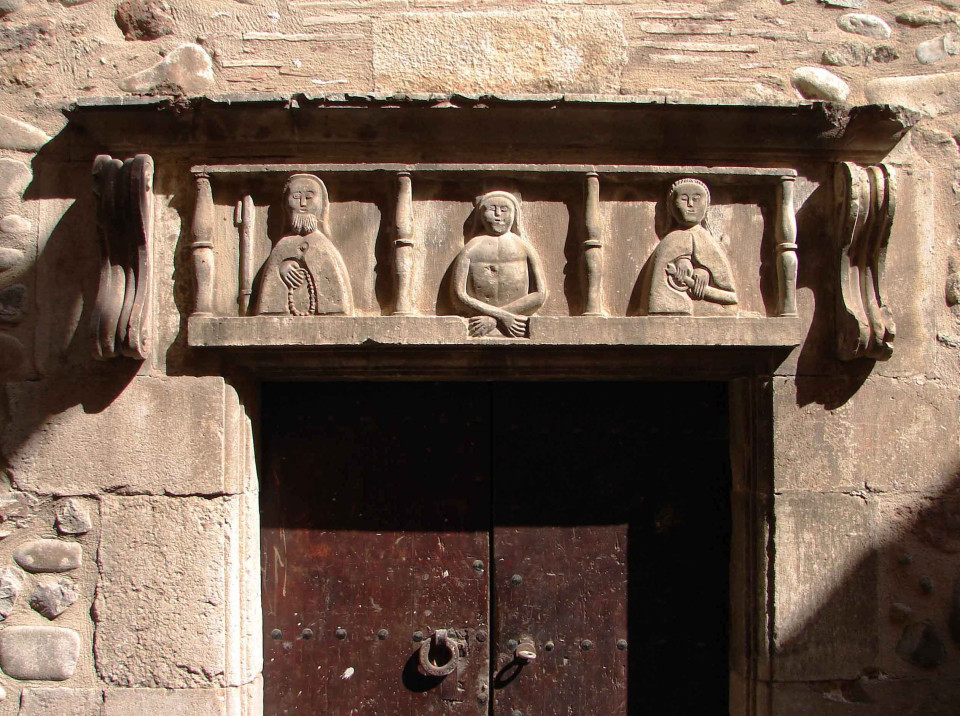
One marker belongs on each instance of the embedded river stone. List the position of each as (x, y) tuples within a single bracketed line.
[(48, 555), (44, 653), (921, 646), (862, 24), (14, 177), (818, 83)]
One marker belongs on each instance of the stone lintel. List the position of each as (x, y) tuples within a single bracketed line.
[(305, 332)]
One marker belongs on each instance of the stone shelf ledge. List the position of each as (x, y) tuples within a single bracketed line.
[(663, 331)]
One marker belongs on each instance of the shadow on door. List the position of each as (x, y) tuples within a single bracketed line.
[(589, 519)]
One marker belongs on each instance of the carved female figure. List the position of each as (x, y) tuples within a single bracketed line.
[(497, 278), (689, 264), (305, 274)]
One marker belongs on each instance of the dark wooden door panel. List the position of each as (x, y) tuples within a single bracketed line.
[(375, 527), (566, 588)]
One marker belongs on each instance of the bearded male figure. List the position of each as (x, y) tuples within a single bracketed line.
[(305, 274)]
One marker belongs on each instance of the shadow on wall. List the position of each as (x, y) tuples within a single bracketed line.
[(868, 604)]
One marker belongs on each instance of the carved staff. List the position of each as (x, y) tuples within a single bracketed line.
[(203, 259), (244, 218), (592, 257), (787, 248), (404, 248)]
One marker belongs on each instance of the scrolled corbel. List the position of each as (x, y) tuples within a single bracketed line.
[(866, 203), (124, 191)]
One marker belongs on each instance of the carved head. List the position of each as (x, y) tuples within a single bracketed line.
[(305, 199), (689, 199), (499, 212)]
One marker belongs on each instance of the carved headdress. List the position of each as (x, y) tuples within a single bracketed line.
[(323, 217), (514, 200)]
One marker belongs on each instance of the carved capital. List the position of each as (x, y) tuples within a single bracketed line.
[(866, 202), (124, 190)]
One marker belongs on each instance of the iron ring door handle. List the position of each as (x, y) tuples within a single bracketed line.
[(445, 652)]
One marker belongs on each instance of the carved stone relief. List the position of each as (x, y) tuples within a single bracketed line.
[(124, 190), (689, 264), (866, 201), (393, 249), (497, 278), (305, 274)]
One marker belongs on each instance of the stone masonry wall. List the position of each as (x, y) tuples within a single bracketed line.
[(128, 543)]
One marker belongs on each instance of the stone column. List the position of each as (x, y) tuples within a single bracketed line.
[(787, 248), (592, 245), (203, 258), (404, 247)]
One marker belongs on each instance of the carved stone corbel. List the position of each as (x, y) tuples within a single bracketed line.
[(866, 201), (124, 190)]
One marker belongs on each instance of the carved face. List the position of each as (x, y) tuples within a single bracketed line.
[(304, 200), (497, 215), (690, 204)]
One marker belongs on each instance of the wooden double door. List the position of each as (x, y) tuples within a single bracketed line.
[(422, 541)]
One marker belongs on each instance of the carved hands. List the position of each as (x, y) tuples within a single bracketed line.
[(686, 278), (292, 274)]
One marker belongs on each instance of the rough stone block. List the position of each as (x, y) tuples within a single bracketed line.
[(73, 517), (825, 587), (155, 435), (500, 52), (60, 701), (876, 697), (838, 434), (247, 699), (11, 582), (161, 602), (52, 597), (15, 134), (931, 94), (43, 653)]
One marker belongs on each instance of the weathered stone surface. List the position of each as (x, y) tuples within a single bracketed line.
[(11, 582), (826, 587), (17, 507), (186, 70), (193, 702), (822, 448), (10, 258), (851, 4), (868, 696), (938, 48), (862, 24), (13, 358), (48, 555), (61, 701), (14, 177), (846, 54), (127, 445), (18, 135), (72, 3), (144, 19), (884, 54), (922, 646), (161, 602), (73, 518), (43, 653), (818, 83), (13, 224), (8, 6), (52, 597), (577, 51), (930, 94), (925, 16), (13, 303)]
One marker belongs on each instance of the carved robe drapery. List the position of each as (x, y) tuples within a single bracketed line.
[(703, 251)]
